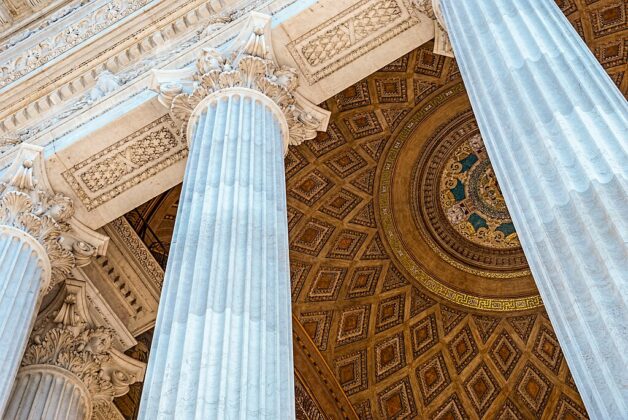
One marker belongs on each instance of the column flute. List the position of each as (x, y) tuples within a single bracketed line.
[(555, 127), (38, 248), (223, 339)]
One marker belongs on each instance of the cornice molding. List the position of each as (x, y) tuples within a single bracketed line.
[(250, 63), (66, 336), (37, 46), (28, 203), (68, 89)]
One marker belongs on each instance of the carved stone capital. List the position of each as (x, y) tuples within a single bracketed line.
[(431, 8), (249, 64), (28, 203), (66, 336)]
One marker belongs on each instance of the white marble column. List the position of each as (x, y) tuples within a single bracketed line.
[(223, 342), (556, 129), (48, 392), (222, 347), (71, 362), (40, 243), (30, 255), (24, 271)]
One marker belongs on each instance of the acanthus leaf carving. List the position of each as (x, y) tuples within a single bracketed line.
[(28, 203), (66, 336), (251, 65)]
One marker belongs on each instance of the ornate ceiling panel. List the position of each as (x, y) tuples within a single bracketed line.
[(603, 26), (407, 274)]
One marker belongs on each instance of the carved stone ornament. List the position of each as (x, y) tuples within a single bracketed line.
[(431, 8), (28, 203), (250, 64), (66, 336)]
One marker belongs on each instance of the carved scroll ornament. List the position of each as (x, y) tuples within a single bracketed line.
[(66, 336), (431, 8)]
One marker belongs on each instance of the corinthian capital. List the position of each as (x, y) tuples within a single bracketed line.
[(431, 8), (66, 336), (250, 63), (28, 203)]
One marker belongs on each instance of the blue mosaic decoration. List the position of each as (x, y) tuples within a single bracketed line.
[(472, 200)]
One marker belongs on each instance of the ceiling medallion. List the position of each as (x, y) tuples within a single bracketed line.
[(443, 212), (472, 200), (458, 206)]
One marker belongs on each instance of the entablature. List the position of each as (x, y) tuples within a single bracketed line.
[(119, 132)]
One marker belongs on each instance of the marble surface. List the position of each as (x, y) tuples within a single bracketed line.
[(555, 127), (22, 277), (223, 339), (47, 392)]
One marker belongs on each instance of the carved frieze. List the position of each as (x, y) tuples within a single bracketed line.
[(126, 163), (343, 38), (33, 56), (132, 243)]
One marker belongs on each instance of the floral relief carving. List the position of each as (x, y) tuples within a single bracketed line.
[(41, 214), (34, 56), (27, 203), (339, 41), (111, 169), (252, 66), (65, 336)]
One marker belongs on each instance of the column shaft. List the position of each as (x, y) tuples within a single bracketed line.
[(23, 274), (223, 341), (46, 392), (555, 127)]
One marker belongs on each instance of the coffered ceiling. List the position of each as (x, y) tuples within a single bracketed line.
[(408, 278)]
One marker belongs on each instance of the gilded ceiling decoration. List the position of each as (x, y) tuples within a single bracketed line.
[(407, 273), (420, 312), (442, 211)]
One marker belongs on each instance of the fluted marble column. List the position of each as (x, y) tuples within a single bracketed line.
[(222, 346), (223, 341), (71, 362), (556, 129), (24, 271), (40, 243), (31, 220), (48, 392)]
